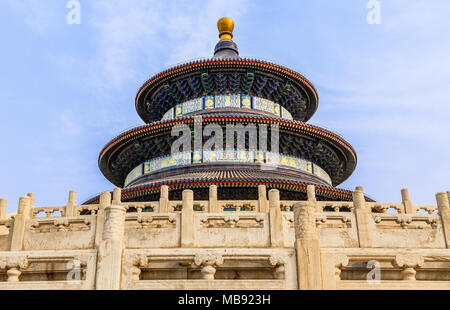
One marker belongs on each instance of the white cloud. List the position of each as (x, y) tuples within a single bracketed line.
[(132, 34), (37, 15)]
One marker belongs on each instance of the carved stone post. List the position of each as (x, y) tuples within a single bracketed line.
[(444, 211), (14, 266), (406, 201), (117, 196), (164, 199), (109, 257), (275, 220), (19, 224), (187, 220), (307, 247), (105, 201), (262, 199), (3, 203), (32, 199), (311, 193), (362, 218), (71, 204), (409, 263), (208, 262), (213, 207)]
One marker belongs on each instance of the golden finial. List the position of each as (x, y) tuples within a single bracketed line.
[(225, 26)]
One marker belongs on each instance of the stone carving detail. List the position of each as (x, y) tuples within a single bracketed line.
[(114, 223), (232, 220), (144, 220), (409, 263), (433, 221), (60, 224), (134, 264), (305, 220), (14, 266), (208, 261), (404, 220), (278, 262), (340, 261), (320, 219)]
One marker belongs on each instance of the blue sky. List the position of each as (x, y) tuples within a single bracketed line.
[(66, 90)]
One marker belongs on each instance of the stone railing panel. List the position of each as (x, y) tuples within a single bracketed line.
[(39, 212), (239, 229), (62, 233), (28, 270), (152, 230), (208, 263)]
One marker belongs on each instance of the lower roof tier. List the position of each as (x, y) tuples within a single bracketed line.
[(254, 159), (322, 147), (234, 182)]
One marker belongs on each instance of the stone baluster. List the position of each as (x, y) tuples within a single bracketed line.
[(307, 247), (262, 199), (444, 211), (275, 220), (105, 201), (117, 196), (19, 224), (109, 257), (362, 216), (164, 199), (213, 207), (209, 262), (409, 263), (406, 201), (311, 193), (187, 220), (32, 199), (71, 204), (14, 265)]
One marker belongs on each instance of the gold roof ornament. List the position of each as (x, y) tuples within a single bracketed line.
[(225, 26)]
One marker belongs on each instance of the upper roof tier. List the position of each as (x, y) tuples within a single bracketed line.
[(226, 73)]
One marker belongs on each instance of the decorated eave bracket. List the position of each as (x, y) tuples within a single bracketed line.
[(173, 92), (207, 82), (247, 82)]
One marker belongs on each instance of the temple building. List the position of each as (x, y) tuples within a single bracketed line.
[(228, 181), (227, 90)]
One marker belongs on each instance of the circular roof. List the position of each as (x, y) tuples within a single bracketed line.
[(223, 76)]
